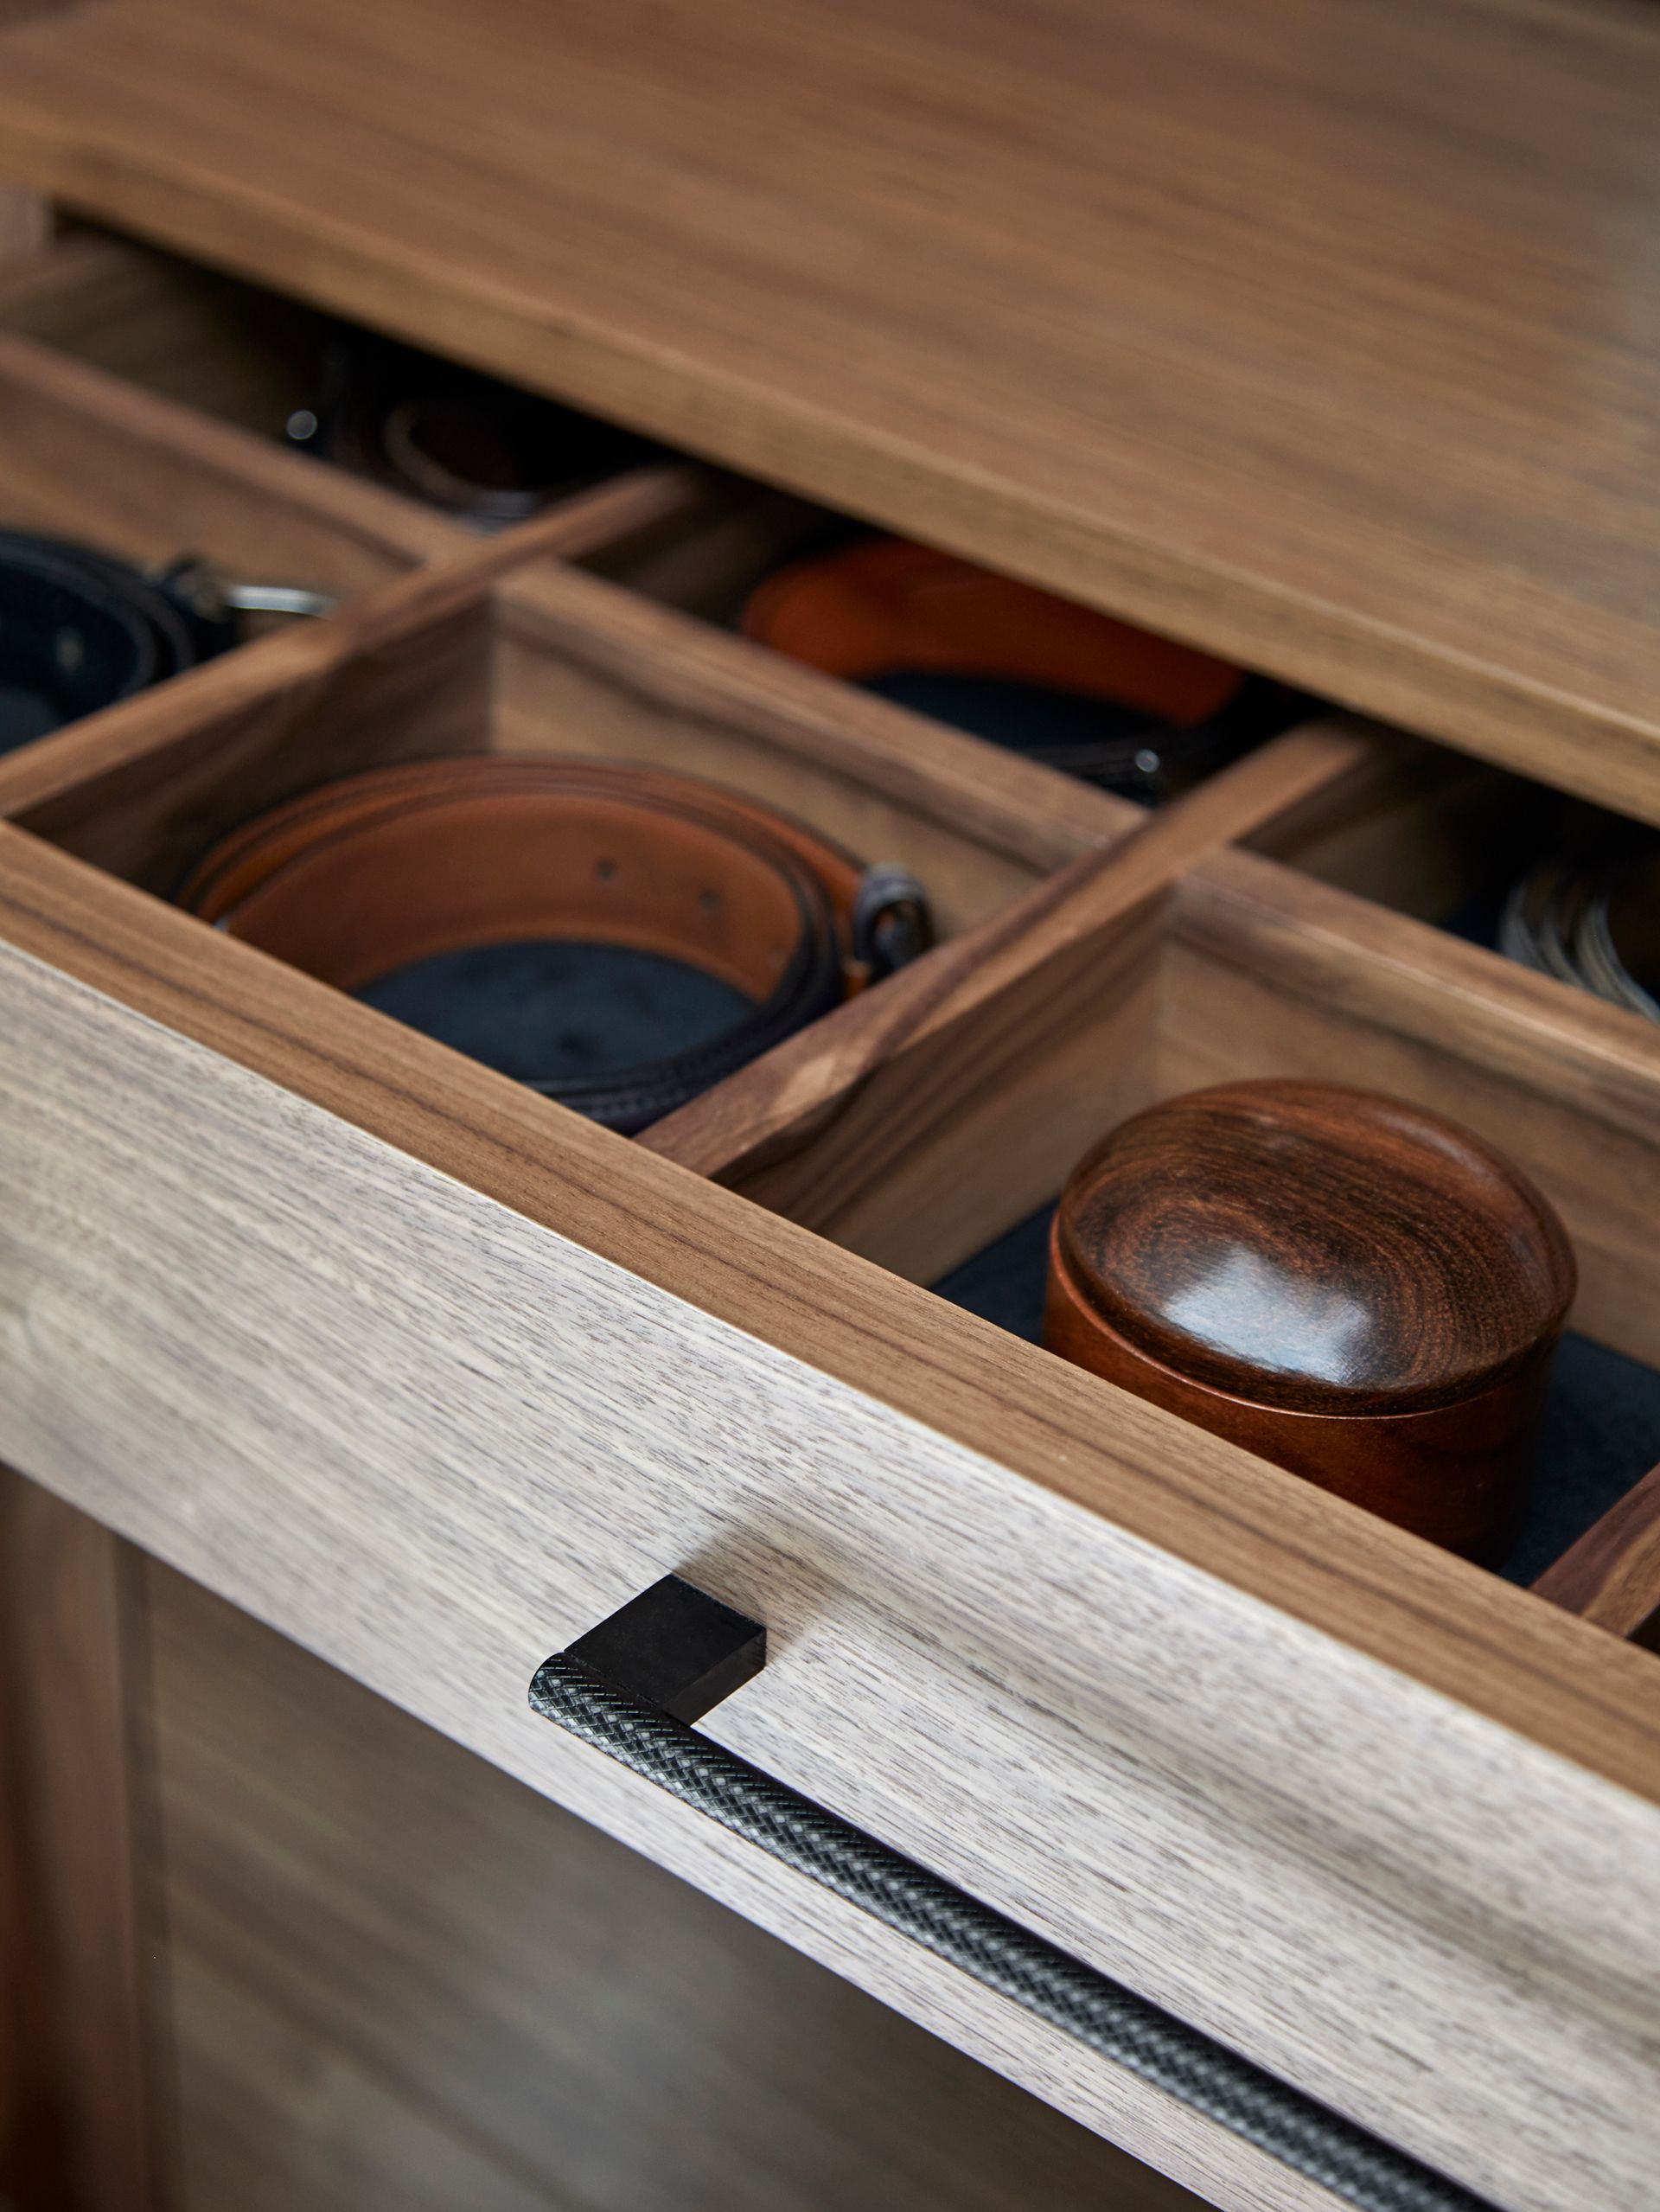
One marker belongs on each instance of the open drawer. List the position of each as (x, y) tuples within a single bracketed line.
[(433, 1375), (142, 404)]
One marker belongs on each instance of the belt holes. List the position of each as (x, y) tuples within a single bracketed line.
[(605, 870), (710, 901)]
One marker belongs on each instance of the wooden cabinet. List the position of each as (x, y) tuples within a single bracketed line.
[(410, 1365)]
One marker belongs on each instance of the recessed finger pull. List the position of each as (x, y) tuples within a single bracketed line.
[(632, 1686)]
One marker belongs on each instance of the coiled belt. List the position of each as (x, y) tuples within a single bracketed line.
[(1055, 681), (79, 630), (368, 876), (1594, 923), (458, 440)]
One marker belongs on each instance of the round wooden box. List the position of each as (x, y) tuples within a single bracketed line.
[(1338, 1282)]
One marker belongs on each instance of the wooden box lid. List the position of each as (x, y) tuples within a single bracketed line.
[(1321, 335)]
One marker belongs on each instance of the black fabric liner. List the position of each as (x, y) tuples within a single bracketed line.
[(547, 1011), (1017, 715), (25, 714), (1602, 1422)]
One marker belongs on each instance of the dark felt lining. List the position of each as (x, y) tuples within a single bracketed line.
[(25, 714), (1602, 1424), (547, 1012)]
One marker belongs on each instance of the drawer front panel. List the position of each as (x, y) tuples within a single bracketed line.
[(433, 1440)]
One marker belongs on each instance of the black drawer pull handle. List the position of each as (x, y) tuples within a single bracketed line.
[(632, 1686)]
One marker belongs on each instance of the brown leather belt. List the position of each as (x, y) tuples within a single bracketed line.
[(366, 876)]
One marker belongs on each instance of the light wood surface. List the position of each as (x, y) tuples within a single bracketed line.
[(1027, 1587), (391, 1961), (74, 1668), (1307, 337)]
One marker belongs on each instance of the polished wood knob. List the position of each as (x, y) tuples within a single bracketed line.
[(1339, 1281)]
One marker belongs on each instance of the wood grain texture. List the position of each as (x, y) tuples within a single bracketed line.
[(1272, 975), (1398, 1264), (1413, 1762), (861, 1128), (25, 217), (583, 667), (90, 457), (179, 331), (1612, 1576), (559, 664), (1340, 1282), (401, 672), (1242, 328), (1428, 831), (388, 1956), (274, 2115), (710, 568), (75, 1675), (34, 2145)]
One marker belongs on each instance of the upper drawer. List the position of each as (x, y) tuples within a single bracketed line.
[(433, 1374), (1239, 328)]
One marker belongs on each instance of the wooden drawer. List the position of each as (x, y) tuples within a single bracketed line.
[(142, 402), (431, 1375)]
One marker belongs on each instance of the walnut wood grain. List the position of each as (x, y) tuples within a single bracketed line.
[(74, 1671), (1355, 972), (1271, 974), (401, 671), (88, 456), (1237, 326), (1347, 1285), (845, 1128), (34, 2141), (25, 217), (743, 714), (176, 330), (1612, 1576), (671, 1376), (500, 1983)]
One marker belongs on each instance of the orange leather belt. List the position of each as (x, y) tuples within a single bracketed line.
[(1016, 664), (366, 876)]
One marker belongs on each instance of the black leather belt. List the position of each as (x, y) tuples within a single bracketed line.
[(1055, 681), (485, 451), (1119, 749), (79, 630), (367, 877)]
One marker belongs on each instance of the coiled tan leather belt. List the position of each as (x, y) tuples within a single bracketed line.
[(370, 875)]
